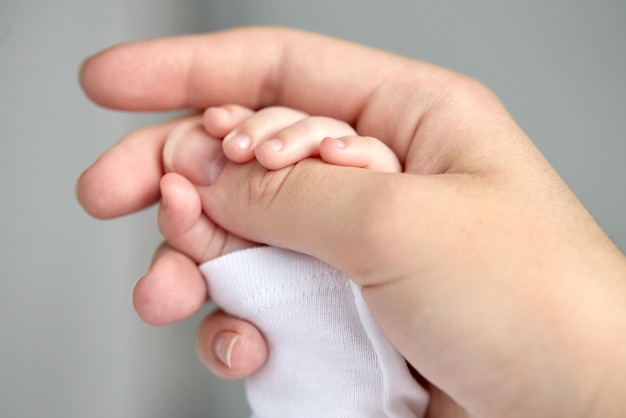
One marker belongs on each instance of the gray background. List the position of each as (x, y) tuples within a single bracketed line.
[(71, 345)]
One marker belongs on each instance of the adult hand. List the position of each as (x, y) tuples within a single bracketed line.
[(477, 261)]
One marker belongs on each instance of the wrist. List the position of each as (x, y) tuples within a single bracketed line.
[(602, 353)]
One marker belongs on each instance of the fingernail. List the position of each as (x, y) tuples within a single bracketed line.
[(169, 148), (192, 152), (242, 140), (276, 144), (223, 347), (215, 168), (339, 143)]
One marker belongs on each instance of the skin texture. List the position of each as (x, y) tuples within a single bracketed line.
[(477, 261), (187, 229), (181, 217)]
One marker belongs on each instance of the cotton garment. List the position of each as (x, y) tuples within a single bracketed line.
[(327, 356)]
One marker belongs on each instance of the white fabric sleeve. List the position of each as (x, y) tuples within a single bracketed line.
[(327, 356)]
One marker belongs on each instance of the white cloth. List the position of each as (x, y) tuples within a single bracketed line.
[(327, 356)]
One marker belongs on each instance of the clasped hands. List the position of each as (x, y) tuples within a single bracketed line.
[(477, 261)]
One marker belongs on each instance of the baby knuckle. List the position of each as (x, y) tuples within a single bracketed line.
[(265, 186)]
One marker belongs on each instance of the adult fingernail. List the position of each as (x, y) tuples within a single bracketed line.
[(169, 148), (214, 169), (223, 347), (192, 152)]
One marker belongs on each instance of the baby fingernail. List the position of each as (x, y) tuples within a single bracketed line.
[(340, 143), (223, 347), (242, 140), (276, 144)]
